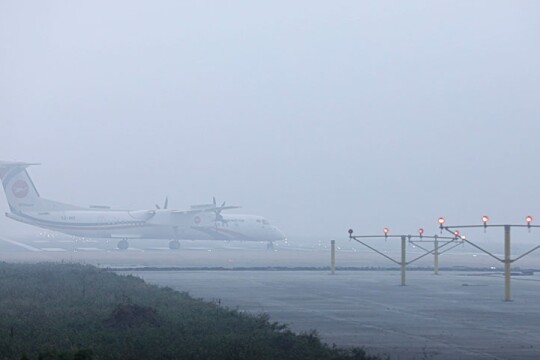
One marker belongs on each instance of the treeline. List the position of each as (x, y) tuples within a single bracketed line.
[(71, 311)]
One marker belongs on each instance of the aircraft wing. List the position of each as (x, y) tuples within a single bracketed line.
[(205, 209)]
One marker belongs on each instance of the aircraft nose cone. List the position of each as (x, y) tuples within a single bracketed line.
[(279, 235)]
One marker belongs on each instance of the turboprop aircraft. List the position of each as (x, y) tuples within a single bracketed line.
[(200, 222)]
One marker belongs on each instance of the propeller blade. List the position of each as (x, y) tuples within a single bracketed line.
[(157, 207), (217, 209), (166, 202), (227, 208)]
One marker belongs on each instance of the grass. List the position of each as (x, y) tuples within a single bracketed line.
[(71, 311)]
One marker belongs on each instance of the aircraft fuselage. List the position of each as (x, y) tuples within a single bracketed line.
[(153, 224)]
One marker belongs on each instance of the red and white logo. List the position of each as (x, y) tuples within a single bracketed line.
[(20, 189), (197, 220)]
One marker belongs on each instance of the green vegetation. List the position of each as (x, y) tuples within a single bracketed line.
[(69, 311)]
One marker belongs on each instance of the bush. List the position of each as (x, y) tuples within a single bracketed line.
[(76, 312)]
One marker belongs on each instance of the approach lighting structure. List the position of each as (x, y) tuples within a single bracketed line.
[(386, 230), (507, 260), (420, 232), (441, 222)]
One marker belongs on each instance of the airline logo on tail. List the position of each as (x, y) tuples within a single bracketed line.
[(20, 189)]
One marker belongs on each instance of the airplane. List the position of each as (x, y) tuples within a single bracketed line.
[(200, 222)]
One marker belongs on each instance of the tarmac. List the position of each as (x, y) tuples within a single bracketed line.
[(454, 315), (458, 314)]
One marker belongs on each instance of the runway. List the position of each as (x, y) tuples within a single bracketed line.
[(455, 315), (296, 252)]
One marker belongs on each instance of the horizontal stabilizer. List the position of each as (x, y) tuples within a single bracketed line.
[(21, 194), (16, 164)]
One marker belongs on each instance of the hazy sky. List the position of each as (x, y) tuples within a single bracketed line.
[(319, 115)]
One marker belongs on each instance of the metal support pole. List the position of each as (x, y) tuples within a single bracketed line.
[(403, 259), (333, 256), (507, 262), (436, 255)]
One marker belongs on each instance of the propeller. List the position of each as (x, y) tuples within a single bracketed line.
[(218, 209), (165, 204)]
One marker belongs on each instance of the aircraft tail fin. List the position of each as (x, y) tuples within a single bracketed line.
[(21, 192)]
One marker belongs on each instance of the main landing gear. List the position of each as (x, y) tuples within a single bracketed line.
[(270, 246), (174, 244), (123, 244)]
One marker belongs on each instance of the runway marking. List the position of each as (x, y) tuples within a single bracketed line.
[(158, 248), (135, 249), (53, 249), (90, 249), (41, 241), (27, 247)]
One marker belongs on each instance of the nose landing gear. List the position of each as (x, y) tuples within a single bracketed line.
[(270, 246), (174, 244)]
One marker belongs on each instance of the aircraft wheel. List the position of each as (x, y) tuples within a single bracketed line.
[(174, 245), (123, 245), (270, 246)]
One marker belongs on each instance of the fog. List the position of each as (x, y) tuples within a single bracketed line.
[(317, 115)]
